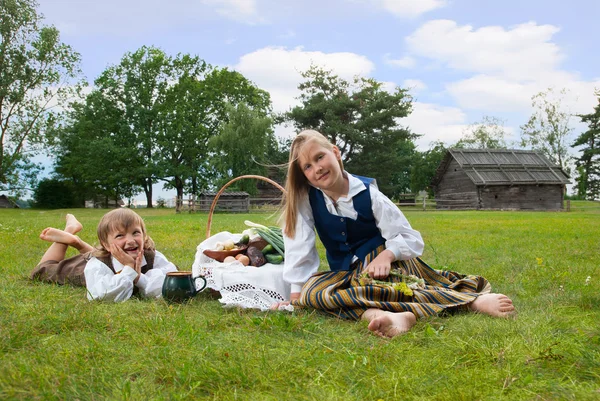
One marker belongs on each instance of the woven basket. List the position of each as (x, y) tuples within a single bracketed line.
[(214, 203)]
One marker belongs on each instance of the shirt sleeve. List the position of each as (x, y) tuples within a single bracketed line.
[(150, 284), (301, 257), (400, 238), (102, 284)]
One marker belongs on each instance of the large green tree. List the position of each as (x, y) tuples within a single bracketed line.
[(588, 163), (424, 167), (549, 127), (37, 73), (242, 147), (362, 119), (195, 111)]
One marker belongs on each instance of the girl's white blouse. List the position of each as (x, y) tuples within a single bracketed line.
[(301, 257), (103, 284)]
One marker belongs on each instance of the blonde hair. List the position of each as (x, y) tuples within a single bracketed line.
[(115, 220), (296, 184)]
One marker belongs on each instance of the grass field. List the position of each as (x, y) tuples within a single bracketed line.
[(54, 344)]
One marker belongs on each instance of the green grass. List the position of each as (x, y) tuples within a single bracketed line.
[(54, 344)]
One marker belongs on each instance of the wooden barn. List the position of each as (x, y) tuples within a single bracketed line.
[(7, 203), (498, 179)]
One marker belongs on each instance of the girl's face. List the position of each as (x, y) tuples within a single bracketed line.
[(320, 165), (130, 240)]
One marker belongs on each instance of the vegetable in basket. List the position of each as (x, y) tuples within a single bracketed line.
[(270, 234)]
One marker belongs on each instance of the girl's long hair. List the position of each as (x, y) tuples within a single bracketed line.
[(115, 220), (296, 184)]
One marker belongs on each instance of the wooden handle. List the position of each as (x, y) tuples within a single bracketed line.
[(214, 203)]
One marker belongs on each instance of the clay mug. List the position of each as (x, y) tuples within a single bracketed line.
[(181, 286)]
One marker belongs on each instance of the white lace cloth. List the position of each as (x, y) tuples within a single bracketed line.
[(239, 285)]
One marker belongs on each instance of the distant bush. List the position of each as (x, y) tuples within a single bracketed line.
[(52, 193)]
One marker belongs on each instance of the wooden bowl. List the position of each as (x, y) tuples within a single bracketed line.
[(219, 256)]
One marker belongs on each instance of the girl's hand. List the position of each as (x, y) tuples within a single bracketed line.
[(380, 267), (293, 297)]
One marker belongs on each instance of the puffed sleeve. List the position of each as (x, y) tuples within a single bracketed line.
[(400, 237), (150, 283), (102, 284), (301, 256)]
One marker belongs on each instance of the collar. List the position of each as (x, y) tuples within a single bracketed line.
[(355, 186)]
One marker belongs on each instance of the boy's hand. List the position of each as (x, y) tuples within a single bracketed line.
[(121, 256), (138, 266), (380, 267)]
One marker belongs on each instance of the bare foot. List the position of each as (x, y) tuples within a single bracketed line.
[(73, 225), (497, 305), (390, 324), (62, 237)]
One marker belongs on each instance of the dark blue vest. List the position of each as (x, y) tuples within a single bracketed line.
[(344, 237)]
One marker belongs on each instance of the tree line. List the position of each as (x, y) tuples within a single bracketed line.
[(177, 120)]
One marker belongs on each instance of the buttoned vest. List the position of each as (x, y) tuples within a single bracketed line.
[(344, 237)]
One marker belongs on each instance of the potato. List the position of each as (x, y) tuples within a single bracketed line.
[(229, 259), (243, 259)]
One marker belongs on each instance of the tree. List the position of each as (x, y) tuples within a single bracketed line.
[(588, 164), (194, 111), (37, 73), (362, 120), (424, 166), (487, 134), (548, 128), (243, 145), (55, 194), (94, 151)]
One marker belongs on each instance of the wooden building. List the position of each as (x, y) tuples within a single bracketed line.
[(498, 179), (7, 203), (228, 201)]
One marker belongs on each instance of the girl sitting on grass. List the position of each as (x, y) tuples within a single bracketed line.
[(123, 263), (371, 249)]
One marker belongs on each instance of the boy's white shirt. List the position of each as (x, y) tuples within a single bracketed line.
[(301, 256), (103, 284)]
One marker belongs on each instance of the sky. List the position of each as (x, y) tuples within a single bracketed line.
[(462, 60)]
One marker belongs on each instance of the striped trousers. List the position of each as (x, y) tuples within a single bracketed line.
[(340, 293)]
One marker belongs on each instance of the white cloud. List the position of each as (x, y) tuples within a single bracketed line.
[(278, 69), (509, 66), (435, 123), (517, 53), (403, 62), (414, 85)]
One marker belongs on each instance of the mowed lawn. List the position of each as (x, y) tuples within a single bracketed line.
[(54, 344)]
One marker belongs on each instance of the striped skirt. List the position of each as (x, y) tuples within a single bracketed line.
[(341, 294)]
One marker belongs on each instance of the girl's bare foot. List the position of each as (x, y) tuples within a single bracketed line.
[(73, 225), (59, 236), (390, 324), (497, 305)]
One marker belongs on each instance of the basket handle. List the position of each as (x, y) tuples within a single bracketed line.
[(214, 203)]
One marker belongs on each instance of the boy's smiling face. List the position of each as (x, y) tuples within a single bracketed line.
[(130, 240)]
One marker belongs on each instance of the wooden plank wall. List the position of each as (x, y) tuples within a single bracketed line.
[(522, 197), (456, 190)]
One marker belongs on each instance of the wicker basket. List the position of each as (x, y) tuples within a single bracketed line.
[(216, 294), (214, 203)]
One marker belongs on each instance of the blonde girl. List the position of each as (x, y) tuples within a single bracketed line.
[(366, 238), (125, 261)]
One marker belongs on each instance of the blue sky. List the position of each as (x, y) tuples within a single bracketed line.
[(462, 59)]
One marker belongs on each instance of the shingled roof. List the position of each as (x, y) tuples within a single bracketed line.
[(503, 167)]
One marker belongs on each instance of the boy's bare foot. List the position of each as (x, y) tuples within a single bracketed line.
[(390, 324), (59, 236), (497, 305), (73, 225)]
